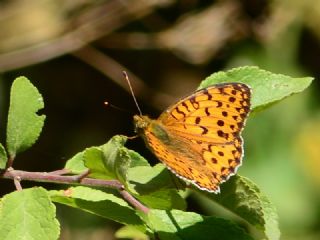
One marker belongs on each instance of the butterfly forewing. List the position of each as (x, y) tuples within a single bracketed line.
[(216, 113)]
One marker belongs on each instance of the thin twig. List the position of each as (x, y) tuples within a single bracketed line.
[(81, 176), (134, 202), (60, 172), (94, 24), (10, 162), (16, 181), (55, 177), (113, 69), (109, 67)]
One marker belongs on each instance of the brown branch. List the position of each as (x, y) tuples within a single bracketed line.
[(89, 26), (60, 172), (112, 69), (81, 179), (134, 202), (9, 163)]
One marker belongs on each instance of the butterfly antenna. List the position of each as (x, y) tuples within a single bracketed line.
[(134, 98), (108, 104)]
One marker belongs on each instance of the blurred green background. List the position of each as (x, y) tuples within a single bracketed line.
[(74, 52)]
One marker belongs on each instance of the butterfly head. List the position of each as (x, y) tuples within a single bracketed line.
[(141, 123)]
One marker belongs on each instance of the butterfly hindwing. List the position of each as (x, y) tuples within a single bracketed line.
[(182, 164)]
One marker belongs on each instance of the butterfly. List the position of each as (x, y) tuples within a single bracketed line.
[(199, 137)]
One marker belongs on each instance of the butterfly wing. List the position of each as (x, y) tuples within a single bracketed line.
[(216, 113), (204, 129)]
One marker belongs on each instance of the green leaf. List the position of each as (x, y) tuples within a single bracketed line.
[(28, 214), (144, 179), (267, 87), (242, 197), (136, 159), (88, 194), (3, 157), (155, 186), (101, 203), (130, 232), (24, 125), (116, 157), (76, 164), (165, 199), (94, 160), (179, 225)]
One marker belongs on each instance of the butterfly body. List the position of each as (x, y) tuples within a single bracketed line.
[(198, 138), (154, 129)]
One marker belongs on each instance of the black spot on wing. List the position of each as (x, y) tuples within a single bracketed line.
[(197, 121), (207, 111), (204, 130), (232, 99), (180, 112), (220, 123), (186, 106), (219, 104)]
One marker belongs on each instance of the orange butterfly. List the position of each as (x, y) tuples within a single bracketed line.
[(199, 137)]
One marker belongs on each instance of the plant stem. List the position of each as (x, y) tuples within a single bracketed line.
[(134, 202), (17, 183), (81, 179)]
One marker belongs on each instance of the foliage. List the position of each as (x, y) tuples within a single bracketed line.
[(30, 213)]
